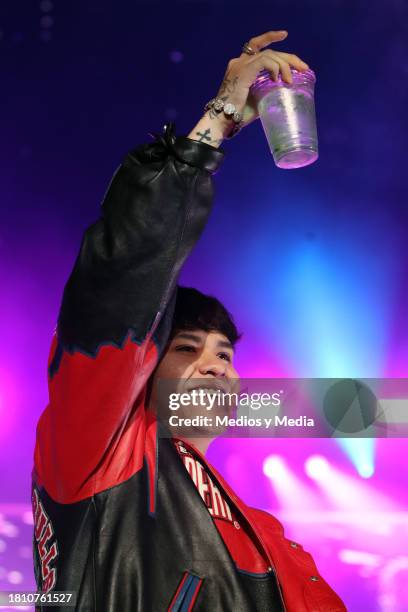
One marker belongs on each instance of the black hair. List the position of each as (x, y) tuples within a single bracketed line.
[(195, 310)]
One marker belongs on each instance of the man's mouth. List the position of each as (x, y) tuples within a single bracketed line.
[(208, 388)]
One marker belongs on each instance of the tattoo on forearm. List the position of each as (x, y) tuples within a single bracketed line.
[(228, 86), (206, 136)]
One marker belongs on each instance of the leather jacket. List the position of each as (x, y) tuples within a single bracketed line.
[(117, 519)]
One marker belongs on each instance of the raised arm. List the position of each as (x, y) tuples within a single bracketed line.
[(114, 315), (154, 210), (117, 305)]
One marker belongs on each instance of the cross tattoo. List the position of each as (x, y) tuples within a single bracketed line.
[(204, 135)]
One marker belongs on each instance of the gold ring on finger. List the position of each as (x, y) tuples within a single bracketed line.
[(248, 49)]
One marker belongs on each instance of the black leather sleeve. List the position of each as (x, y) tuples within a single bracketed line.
[(154, 211)]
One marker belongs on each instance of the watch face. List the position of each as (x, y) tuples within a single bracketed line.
[(229, 109)]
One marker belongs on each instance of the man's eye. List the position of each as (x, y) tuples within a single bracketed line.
[(225, 356), (185, 347)]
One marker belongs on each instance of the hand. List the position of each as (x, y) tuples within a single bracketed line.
[(242, 72)]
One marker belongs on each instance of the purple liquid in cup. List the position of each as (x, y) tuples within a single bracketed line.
[(287, 113)]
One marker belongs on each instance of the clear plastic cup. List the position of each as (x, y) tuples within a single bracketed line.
[(287, 113)]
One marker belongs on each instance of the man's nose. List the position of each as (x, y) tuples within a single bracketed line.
[(210, 367)]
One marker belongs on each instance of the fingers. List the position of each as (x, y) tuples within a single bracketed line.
[(277, 62), (284, 67), (274, 68), (259, 42), (270, 61), (293, 60)]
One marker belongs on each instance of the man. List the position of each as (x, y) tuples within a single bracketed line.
[(119, 520)]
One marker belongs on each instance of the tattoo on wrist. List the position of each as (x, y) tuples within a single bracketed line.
[(206, 137)]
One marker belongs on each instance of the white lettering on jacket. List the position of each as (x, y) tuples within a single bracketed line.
[(211, 495), (47, 551)]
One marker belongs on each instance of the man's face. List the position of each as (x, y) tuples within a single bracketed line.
[(195, 359)]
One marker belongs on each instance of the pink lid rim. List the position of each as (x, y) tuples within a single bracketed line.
[(264, 79)]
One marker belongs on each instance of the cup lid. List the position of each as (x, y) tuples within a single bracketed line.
[(265, 81)]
